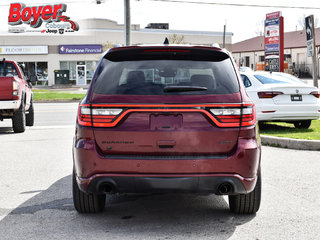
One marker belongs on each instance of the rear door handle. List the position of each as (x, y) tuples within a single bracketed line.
[(166, 143)]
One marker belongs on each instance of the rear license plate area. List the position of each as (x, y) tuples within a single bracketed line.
[(165, 122), (296, 98)]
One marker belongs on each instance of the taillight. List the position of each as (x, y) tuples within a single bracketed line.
[(268, 94), (316, 94), (234, 117), (15, 88), (223, 115), (96, 117)]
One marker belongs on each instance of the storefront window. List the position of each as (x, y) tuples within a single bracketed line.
[(40, 68), (91, 67), (72, 66)]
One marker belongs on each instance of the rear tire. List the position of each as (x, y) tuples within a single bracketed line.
[(86, 203), (19, 119), (305, 124), (247, 203), (30, 115)]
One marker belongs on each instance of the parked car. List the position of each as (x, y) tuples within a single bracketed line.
[(245, 69), (141, 135), (282, 97), (15, 96)]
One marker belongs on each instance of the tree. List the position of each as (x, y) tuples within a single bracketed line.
[(107, 45), (176, 39), (259, 31)]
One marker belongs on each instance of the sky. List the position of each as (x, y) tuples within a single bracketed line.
[(243, 22)]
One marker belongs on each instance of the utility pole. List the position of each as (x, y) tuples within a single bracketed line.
[(127, 23), (224, 36)]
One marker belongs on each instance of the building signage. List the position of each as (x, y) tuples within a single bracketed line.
[(309, 34), (272, 47), (311, 47), (34, 16), (80, 49), (274, 42), (273, 15), (9, 50)]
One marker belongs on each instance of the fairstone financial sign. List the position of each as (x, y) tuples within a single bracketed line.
[(80, 49)]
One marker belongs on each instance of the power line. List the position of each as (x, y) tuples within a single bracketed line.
[(239, 4)]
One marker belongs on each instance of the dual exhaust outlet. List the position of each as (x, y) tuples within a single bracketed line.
[(223, 189)]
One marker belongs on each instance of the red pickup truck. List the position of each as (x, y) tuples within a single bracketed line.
[(15, 96)]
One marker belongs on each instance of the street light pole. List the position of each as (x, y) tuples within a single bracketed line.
[(127, 23), (224, 34)]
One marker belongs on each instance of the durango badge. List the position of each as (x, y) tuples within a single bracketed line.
[(34, 16)]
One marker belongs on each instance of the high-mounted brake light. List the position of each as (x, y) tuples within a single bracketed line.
[(166, 50), (269, 94), (316, 94)]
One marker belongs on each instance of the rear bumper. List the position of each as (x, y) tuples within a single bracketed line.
[(12, 104), (221, 184), (135, 175)]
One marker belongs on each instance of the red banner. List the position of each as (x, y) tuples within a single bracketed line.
[(272, 40), (273, 15)]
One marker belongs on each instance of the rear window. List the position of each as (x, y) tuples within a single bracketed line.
[(151, 76), (289, 78), (276, 79), (8, 69)]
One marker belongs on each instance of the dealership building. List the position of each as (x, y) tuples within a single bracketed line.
[(62, 57)]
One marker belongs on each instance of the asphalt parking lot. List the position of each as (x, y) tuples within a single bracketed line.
[(36, 201)]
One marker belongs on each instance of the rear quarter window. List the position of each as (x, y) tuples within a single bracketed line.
[(8, 69), (149, 77)]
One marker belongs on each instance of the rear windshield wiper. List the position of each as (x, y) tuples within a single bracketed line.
[(183, 88)]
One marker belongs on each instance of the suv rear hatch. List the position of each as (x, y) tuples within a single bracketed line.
[(165, 101)]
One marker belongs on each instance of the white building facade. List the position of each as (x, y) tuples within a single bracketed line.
[(78, 53)]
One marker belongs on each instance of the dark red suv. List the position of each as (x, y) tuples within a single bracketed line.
[(161, 119)]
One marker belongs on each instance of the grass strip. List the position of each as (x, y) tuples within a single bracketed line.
[(279, 129), (47, 95)]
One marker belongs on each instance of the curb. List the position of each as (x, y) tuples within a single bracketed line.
[(290, 143), (57, 101)]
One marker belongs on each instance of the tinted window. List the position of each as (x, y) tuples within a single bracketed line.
[(8, 69), (149, 77)]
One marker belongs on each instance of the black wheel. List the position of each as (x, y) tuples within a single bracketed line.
[(19, 119), (86, 203), (305, 124), (30, 115), (247, 203)]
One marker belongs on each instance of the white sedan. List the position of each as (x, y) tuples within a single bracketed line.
[(282, 97)]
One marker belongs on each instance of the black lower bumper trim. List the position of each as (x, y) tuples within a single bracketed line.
[(166, 185)]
